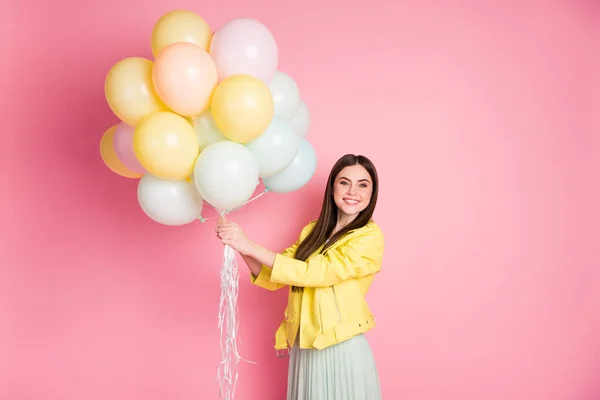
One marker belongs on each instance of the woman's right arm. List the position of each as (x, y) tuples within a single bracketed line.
[(261, 273)]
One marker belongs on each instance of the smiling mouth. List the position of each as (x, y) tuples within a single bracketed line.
[(351, 202)]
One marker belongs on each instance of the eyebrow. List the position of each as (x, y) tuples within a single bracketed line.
[(362, 180)]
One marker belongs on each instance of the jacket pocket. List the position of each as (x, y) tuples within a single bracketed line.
[(337, 305), (350, 301), (327, 308)]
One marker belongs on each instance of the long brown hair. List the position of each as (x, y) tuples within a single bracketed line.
[(328, 217)]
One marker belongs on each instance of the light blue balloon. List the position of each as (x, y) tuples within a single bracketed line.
[(275, 148), (298, 173)]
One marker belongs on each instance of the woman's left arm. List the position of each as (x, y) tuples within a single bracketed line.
[(358, 257)]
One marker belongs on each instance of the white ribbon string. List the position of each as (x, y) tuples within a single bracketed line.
[(227, 374)]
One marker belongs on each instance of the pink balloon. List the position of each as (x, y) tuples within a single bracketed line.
[(123, 144), (185, 76), (245, 46)]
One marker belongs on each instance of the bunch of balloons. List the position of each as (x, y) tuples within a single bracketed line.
[(206, 119)]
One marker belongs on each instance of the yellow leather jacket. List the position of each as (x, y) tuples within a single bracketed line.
[(330, 307)]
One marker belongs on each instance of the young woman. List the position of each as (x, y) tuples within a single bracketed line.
[(328, 270)]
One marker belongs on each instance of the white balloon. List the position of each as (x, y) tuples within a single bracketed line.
[(301, 120), (298, 173), (169, 202), (286, 95), (207, 132), (275, 148), (226, 174)]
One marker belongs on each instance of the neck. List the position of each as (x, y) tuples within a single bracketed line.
[(343, 220)]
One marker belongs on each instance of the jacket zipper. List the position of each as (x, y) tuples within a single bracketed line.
[(337, 307), (320, 313)]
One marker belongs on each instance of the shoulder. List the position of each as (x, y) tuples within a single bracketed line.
[(307, 229), (370, 230), (369, 236), (369, 241)]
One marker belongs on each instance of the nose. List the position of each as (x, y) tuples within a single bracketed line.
[(350, 189)]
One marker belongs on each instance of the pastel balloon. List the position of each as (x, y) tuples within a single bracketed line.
[(276, 148), (109, 156), (245, 46), (242, 107), (130, 92), (298, 173), (166, 145), (207, 132), (180, 26), (185, 77), (123, 142), (226, 174), (301, 120), (169, 202), (286, 95)]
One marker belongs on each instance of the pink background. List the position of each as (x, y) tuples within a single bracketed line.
[(482, 119)]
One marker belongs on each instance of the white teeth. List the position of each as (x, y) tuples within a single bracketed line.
[(351, 202)]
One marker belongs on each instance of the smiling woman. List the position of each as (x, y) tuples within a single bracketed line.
[(328, 270)]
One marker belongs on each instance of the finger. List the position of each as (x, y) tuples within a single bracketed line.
[(225, 225)]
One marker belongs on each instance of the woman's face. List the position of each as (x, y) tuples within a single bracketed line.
[(352, 190)]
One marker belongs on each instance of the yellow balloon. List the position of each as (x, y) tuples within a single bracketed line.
[(165, 144), (180, 26), (130, 92), (242, 107), (109, 156)]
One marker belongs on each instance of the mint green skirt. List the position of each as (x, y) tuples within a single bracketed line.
[(345, 371)]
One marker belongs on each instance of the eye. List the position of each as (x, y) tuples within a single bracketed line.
[(363, 185), (344, 183)]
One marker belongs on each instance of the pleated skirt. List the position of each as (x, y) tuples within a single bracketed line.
[(345, 371)]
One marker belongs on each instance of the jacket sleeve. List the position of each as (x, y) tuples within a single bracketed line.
[(263, 279), (360, 256)]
